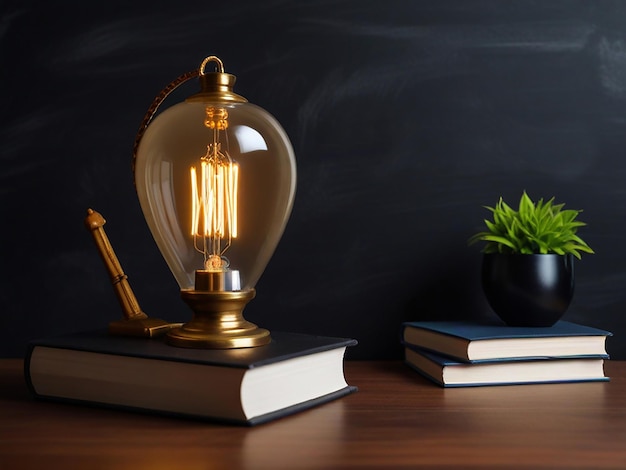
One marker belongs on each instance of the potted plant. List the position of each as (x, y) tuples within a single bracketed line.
[(528, 260)]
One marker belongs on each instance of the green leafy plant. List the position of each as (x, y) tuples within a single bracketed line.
[(535, 228)]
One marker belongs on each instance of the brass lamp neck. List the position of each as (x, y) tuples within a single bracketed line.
[(216, 86)]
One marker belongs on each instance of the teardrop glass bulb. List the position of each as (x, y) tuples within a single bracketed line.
[(216, 179), (174, 146)]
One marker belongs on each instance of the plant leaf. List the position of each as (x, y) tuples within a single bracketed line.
[(541, 227)]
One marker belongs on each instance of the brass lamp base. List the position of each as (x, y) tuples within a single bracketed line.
[(218, 322)]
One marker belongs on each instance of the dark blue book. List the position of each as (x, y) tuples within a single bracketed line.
[(448, 372), (246, 386), (473, 342)]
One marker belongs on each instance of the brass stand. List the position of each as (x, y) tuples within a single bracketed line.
[(135, 322), (218, 322)]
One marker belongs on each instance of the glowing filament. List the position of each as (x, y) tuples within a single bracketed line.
[(214, 205)]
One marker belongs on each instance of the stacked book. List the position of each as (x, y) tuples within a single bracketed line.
[(248, 386), (461, 353)]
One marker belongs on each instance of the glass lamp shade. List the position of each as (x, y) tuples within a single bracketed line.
[(216, 177), (174, 143)]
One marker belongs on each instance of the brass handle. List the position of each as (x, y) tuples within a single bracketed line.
[(135, 321), (130, 307)]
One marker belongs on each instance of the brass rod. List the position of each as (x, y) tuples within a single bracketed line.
[(130, 306)]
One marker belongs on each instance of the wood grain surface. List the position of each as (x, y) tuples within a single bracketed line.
[(396, 420)]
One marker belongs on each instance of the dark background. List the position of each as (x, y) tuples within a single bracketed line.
[(406, 118)]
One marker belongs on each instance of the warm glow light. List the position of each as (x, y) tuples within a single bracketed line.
[(214, 206)]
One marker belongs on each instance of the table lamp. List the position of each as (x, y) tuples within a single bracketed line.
[(216, 178)]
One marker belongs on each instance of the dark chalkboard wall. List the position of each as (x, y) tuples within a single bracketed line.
[(406, 118)]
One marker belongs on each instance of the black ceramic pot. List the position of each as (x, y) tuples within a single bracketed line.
[(528, 290)]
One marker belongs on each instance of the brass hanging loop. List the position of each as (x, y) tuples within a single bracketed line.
[(212, 58)]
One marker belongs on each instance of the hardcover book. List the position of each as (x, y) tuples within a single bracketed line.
[(246, 386), (448, 372), (474, 342)]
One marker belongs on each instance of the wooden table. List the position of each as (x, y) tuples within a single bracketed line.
[(396, 420)]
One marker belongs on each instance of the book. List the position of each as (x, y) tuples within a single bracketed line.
[(473, 342), (448, 372), (245, 386)]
